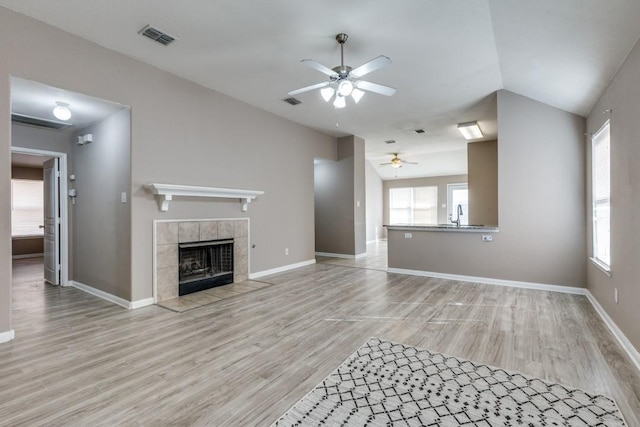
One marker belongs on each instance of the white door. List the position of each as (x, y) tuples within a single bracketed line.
[(51, 221)]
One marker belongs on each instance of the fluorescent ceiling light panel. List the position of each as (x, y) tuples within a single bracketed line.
[(470, 130)]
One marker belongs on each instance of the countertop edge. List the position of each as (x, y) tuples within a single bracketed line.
[(440, 228)]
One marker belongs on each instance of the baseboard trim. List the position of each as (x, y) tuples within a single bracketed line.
[(129, 305), (622, 339), (332, 255), (282, 269), (141, 303), (7, 335), (25, 256), (490, 281), (362, 255), (634, 355)]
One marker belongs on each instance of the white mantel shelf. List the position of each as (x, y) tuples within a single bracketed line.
[(165, 193)]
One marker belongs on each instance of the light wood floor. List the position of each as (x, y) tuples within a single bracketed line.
[(243, 361), (375, 259)]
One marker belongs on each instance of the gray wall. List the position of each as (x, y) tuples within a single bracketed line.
[(41, 139), (340, 224), (438, 181), (374, 203), (101, 223), (623, 98), (541, 202), (202, 139), (359, 196), (482, 169)]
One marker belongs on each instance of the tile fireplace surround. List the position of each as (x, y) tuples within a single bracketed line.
[(168, 234)]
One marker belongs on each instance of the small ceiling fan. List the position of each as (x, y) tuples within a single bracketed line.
[(397, 162), (344, 80)]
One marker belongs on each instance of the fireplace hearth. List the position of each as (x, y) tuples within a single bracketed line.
[(204, 265)]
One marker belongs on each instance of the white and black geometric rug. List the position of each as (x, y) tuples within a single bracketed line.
[(389, 384)]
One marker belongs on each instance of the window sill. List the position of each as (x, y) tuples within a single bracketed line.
[(602, 267)]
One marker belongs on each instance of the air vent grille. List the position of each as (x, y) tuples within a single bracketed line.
[(157, 35), (35, 121), (292, 101), (390, 141)]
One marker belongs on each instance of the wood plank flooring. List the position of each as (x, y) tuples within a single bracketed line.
[(243, 361)]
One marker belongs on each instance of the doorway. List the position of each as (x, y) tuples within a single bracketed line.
[(55, 218)]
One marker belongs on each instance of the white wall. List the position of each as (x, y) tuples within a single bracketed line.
[(623, 98), (374, 203)]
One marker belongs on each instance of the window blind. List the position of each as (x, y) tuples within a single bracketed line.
[(601, 194), (27, 213), (413, 205)]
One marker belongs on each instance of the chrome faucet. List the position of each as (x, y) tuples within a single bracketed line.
[(459, 214)]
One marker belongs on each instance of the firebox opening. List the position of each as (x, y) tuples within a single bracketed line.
[(204, 265)]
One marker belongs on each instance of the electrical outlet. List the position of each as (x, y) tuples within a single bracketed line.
[(615, 295), (408, 235), (487, 238), (286, 251)]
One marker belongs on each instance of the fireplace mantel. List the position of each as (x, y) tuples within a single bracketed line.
[(165, 193)]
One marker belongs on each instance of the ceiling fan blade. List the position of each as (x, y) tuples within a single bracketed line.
[(375, 87), (409, 163), (308, 88), (318, 66), (384, 164), (374, 64)]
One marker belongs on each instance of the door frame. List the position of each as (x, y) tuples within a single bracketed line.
[(63, 203)]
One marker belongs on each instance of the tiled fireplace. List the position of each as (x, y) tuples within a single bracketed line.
[(170, 234)]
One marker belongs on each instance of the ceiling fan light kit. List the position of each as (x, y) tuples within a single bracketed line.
[(396, 162), (344, 81)]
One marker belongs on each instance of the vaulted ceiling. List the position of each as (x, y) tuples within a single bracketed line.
[(449, 57)]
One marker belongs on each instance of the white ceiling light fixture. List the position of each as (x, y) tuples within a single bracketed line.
[(339, 102), (61, 111), (345, 87), (357, 95), (327, 93), (470, 130)]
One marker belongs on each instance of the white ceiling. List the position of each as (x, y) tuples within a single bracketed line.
[(38, 100), (449, 57)]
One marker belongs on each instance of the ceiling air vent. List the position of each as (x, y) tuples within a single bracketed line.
[(157, 35), (34, 121), (390, 141), (419, 131), (292, 101)]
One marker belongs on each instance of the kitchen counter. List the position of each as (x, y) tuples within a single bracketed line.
[(444, 227)]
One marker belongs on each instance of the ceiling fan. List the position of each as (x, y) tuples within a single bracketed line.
[(344, 80), (397, 162)]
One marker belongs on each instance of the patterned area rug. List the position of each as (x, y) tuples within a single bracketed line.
[(389, 384)]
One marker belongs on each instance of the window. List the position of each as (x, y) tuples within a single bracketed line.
[(413, 205), (27, 213), (601, 196), (458, 194)]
